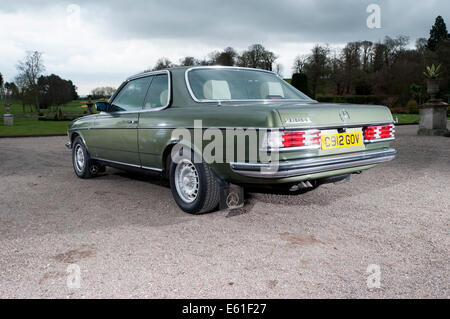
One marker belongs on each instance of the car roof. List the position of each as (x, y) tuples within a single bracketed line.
[(181, 68)]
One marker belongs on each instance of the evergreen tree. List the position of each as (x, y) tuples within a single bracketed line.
[(438, 33), (300, 82)]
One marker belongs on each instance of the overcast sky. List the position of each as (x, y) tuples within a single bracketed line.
[(101, 42)]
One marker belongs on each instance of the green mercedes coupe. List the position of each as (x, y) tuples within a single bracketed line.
[(215, 130)]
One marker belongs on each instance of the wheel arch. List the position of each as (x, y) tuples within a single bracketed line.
[(168, 149), (73, 135)]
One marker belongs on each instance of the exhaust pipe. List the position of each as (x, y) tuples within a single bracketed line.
[(306, 184), (301, 185)]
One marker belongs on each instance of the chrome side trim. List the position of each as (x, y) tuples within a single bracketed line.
[(113, 128), (314, 165), (152, 168), (115, 162), (127, 164)]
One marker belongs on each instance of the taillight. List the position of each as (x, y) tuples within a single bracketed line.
[(287, 139), (379, 132)]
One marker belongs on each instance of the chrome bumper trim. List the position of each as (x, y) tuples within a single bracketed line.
[(314, 165), (379, 140), (290, 149)]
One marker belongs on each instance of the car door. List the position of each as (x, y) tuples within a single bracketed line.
[(116, 130), (153, 133)]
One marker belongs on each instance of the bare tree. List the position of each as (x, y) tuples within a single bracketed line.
[(421, 45), (257, 57), (299, 64), (23, 92), (366, 47), (109, 91), (317, 67), (226, 57), (163, 63), (380, 59), (102, 92), (394, 47), (351, 57), (31, 69), (337, 76), (189, 61), (279, 69)]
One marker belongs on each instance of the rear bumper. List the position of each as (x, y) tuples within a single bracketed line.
[(314, 165)]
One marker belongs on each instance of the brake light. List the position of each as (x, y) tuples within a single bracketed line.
[(374, 133), (286, 139)]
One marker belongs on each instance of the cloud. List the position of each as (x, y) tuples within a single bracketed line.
[(106, 41)]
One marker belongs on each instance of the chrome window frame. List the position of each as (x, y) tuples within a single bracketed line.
[(139, 76), (191, 92)]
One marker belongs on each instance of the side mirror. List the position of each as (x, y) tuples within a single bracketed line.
[(102, 106)]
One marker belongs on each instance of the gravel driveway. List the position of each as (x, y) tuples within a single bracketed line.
[(127, 237)]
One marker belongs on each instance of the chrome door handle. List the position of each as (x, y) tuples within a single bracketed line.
[(132, 122)]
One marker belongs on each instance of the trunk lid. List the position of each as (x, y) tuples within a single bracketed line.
[(333, 115)]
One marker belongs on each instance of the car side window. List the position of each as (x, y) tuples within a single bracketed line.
[(158, 94), (132, 95)]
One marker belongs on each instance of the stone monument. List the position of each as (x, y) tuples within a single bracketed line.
[(433, 114), (8, 118)]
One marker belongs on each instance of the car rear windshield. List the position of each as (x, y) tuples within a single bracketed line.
[(216, 84)]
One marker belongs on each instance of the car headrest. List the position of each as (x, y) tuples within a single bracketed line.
[(163, 97), (271, 89), (216, 90)]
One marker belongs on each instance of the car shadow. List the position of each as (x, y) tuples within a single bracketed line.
[(149, 177), (252, 193)]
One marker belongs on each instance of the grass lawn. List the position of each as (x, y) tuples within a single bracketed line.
[(406, 118), (409, 118), (70, 107), (32, 126)]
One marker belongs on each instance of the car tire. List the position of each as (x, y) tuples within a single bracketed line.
[(194, 186), (83, 165)]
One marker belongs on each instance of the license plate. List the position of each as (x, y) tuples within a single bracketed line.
[(340, 140)]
